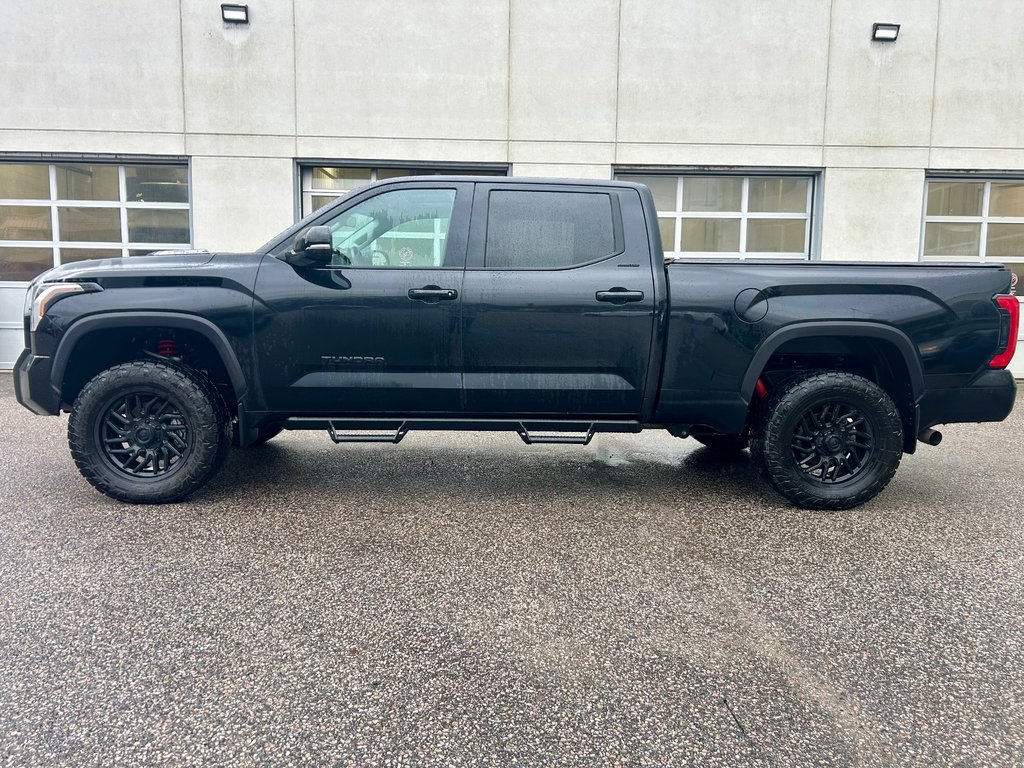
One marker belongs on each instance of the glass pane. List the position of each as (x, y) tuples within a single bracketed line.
[(18, 264), (140, 251), (951, 239), (24, 182), (340, 179), (90, 225), (784, 195), (712, 193), (721, 235), (776, 235), (1006, 200), (87, 182), (146, 225), (547, 230), (394, 173), (23, 222), (68, 255), (668, 234), (319, 201), (662, 187), (955, 198), (1005, 241), (402, 228), (156, 183)]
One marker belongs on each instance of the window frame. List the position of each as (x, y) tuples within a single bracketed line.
[(304, 174), (984, 219), (481, 217), (53, 203), (812, 216)]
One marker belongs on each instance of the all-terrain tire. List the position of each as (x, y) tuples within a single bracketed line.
[(790, 430), (723, 444), (200, 423)]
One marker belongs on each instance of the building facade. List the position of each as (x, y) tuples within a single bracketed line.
[(765, 129)]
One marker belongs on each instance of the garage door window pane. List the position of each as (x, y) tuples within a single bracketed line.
[(156, 184), (1006, 241), (90, 225), (718, 235), (668, 233), (147, 225), (340, 179), (1006, 200), (24, 182), (87, 182), (23, 264), (712, 193), (23, 222), (776, 235), (951, 239), (662, 187), (955, 198), (785, 195)]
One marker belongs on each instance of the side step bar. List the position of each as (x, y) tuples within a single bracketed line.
[(392, 431)]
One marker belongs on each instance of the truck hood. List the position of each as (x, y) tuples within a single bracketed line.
[(159, 262)]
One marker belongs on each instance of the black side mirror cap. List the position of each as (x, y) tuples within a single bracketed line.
[(312, 246)]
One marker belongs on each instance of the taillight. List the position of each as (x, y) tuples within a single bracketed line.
[(1009, 313)]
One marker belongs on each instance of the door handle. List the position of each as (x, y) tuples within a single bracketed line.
[(432, 294), (619, 295)]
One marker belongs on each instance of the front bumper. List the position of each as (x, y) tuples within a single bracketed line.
[(989, 397), (32, 384)]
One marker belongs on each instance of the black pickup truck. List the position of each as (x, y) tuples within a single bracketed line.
[(543, 307)]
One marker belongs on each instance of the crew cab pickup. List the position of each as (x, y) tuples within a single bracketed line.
[(539, 306)]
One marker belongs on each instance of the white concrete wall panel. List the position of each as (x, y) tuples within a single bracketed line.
[(239, 78), (880, 94), (563, 64), (403, 68), (872, 214), (90, 65), (238, 203), (729, 71), (979, 97)]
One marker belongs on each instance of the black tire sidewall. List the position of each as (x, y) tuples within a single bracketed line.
[(198, 405), (785, 413)]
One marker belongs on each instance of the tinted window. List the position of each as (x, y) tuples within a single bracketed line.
[(547, 230)]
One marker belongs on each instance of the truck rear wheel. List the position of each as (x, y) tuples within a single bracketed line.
[(148, 432), (830, 440)]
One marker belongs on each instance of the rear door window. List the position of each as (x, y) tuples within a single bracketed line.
[(531, 229)]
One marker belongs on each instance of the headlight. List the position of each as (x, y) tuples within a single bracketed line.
[(43, 295)]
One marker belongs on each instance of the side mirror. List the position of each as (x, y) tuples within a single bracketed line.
[(313, 246)]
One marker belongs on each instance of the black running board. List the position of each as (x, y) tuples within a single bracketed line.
[(393, 430)]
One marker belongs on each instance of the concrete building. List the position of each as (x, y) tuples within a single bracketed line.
[(764, 128)]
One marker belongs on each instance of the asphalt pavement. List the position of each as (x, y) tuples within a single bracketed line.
[(467, 600)]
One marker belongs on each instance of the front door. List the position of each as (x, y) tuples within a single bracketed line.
[(376, 331), (559, 302)]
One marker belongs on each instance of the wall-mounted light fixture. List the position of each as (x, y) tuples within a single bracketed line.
[(880, 33), (235, 14)]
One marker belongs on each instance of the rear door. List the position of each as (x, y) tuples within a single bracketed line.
[(558, 302)]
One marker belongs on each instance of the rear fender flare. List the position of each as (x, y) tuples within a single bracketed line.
[(869, 330)]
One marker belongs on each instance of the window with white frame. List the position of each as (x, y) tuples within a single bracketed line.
[(323, 184), (744, 216), (974, 219), (58, 213)]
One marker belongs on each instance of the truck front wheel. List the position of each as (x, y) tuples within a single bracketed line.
[(148, 432), (830, 440)]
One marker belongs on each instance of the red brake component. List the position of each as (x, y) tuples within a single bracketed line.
[(167, 348), (760, 389), (1011, 306)]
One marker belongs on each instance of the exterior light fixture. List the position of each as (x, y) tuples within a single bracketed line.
[(235, 14), (880, 33)]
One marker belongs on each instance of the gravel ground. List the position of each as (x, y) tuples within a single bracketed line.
[(466, 600)]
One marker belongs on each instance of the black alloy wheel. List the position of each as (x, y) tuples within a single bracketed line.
[(833, 442), (144, 434), (829, 440)]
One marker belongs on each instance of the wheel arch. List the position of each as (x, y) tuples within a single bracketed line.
[(82, 329)]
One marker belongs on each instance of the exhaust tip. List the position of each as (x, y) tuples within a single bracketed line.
[(930, 436)]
